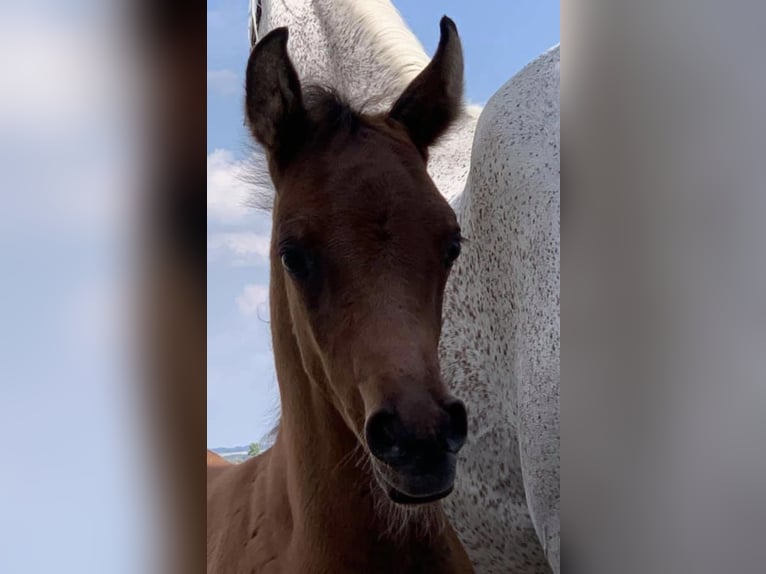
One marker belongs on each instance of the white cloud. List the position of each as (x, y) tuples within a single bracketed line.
[(225, 82), (227, 192), (243, 248), (254, 299)]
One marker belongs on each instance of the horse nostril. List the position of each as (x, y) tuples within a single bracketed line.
[(458, 426), (390, 441), (383, 432)]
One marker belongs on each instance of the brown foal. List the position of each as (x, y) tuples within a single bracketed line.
[(362, 245)]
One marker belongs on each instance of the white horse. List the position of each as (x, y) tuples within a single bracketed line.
[(500, 340)]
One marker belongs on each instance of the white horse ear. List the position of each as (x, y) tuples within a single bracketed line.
[(273, 100), (433, 99)]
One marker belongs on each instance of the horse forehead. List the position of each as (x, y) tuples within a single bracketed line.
[(370, 205), (356, 211), (383, 196), (369, 175)]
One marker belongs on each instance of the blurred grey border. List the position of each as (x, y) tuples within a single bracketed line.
[(663, 282)]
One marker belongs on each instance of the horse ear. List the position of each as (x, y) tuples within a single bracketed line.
[(433, 99), (273, 101)]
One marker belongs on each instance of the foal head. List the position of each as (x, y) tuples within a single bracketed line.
[(362, 246)]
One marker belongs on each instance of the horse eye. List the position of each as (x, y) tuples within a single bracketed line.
[(258, 10), (453, 250), (296, 262)]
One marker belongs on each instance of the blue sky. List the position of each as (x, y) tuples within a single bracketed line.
[(499, 38)]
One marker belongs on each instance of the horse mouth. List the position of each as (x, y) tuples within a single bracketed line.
[(424, 494), (402, 498)]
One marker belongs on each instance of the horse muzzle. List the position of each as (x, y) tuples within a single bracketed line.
[(416, 467)]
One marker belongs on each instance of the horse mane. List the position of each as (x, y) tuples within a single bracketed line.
[(381, 23), (391, 39)]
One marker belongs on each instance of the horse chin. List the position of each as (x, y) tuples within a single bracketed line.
[(409, 492), (401, 498)]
